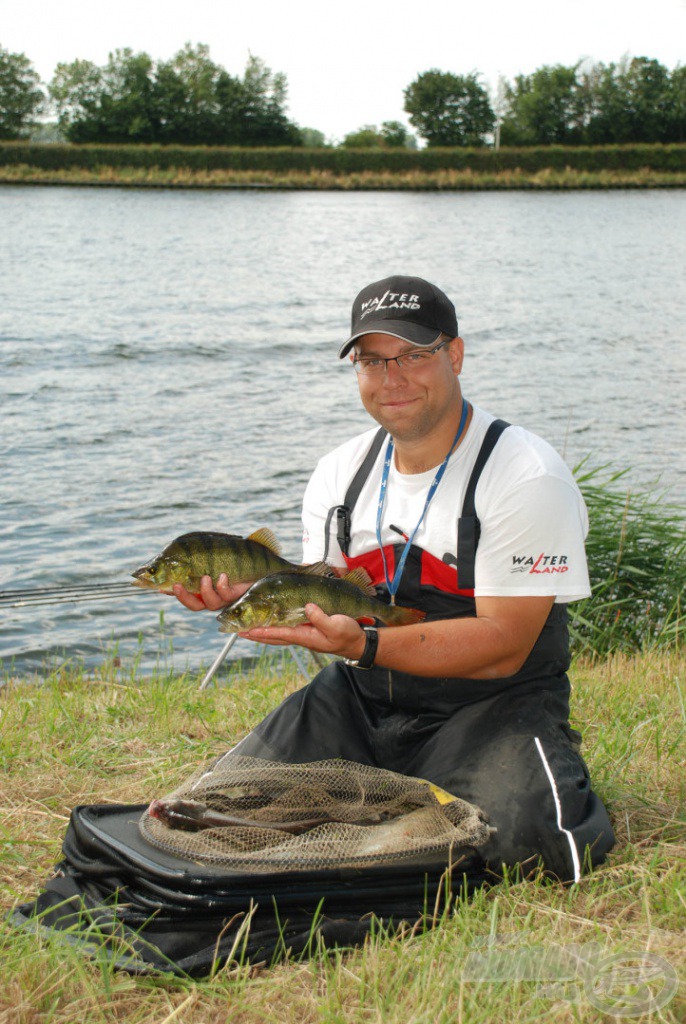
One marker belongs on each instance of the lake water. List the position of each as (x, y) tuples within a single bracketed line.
[(168, 363)]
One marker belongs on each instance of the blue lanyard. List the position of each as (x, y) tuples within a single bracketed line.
[(395, 582)]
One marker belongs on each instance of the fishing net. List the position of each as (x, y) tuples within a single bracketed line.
[(296, 817)]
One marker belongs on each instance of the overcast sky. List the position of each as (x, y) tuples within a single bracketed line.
[(347, 64)]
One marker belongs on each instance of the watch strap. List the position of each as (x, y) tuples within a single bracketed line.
[(366, 659)]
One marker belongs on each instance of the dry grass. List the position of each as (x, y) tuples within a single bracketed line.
[(77, 739), (441, 180)]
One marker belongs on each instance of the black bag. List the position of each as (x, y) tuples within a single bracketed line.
[(149, 911)]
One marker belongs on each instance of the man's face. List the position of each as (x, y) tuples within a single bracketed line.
[(410, 403)]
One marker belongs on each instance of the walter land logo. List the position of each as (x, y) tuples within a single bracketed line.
[(538, 564), (390, 300)]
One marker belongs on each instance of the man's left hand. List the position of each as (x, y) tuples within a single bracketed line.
[(327, 634)]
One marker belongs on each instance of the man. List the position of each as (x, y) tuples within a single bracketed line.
[(481, 525)]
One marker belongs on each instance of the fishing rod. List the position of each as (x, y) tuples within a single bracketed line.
[(33, 597), (37, 596)]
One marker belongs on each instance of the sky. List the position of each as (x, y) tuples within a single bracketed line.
[(348, 64)]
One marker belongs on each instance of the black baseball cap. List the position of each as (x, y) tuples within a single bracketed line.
[(409, 308)]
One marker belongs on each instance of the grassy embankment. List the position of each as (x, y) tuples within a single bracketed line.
[(551, 167), (89, 739)]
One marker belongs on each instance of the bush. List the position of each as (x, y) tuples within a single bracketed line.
[(345, 161)]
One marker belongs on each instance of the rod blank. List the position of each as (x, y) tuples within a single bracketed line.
[(32, 597)]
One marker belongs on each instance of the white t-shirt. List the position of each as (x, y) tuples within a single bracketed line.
[(532, 514)]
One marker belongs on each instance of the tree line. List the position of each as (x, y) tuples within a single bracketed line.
[(191, 100)]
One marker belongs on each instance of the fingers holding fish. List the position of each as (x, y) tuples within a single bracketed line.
[(326, 634), (212, 596), (343, 635)]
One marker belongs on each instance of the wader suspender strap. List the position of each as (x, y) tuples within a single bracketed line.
[(344, 511), (468, 524), (468, 527)]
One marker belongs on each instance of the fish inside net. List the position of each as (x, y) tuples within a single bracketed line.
[(324, 814)]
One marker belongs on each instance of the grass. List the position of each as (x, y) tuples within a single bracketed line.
[(439, 180), (77, 738)]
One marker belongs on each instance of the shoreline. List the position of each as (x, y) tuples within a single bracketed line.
[(546, 179)]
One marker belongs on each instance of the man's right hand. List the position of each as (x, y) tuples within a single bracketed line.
[(210, 597)]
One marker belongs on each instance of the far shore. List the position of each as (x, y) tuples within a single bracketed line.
[(322, 180)]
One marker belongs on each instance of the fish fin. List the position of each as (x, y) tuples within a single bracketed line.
[(414, 615), (267, 539), (400, 616), (317, 569), (360, 578)]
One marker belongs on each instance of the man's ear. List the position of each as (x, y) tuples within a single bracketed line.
[(456, 354)]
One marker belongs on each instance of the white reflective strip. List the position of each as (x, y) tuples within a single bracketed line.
[(558, 808)]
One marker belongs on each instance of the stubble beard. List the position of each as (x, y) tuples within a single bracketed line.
[(416, 426)]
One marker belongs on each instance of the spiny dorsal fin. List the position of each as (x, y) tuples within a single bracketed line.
[(360, 578), (318, 569), (267, 539)]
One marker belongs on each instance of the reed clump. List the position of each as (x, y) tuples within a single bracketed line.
[(636, 550)]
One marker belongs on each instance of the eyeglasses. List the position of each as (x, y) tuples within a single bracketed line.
[(377, 366)]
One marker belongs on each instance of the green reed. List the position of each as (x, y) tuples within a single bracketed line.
[(637, 561)]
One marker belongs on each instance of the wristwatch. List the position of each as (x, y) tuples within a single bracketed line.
[(366, 659)]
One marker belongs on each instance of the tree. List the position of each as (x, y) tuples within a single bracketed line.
[(186, 96), (21, 97), (265, 122), (76, 91), (127, 98), (366, 137), (188, 100), (543, 108), (676, 120), (632, 102), (396, 135), (645, 83), (391, 135), (313, 138), (115, 103), (449, 110)]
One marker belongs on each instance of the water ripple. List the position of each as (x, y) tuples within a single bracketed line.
[(168, 363)]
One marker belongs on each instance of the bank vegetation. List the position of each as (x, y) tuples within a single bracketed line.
[(108, 736), (447, 168)]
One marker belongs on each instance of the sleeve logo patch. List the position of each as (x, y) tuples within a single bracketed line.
[(535, 565)]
